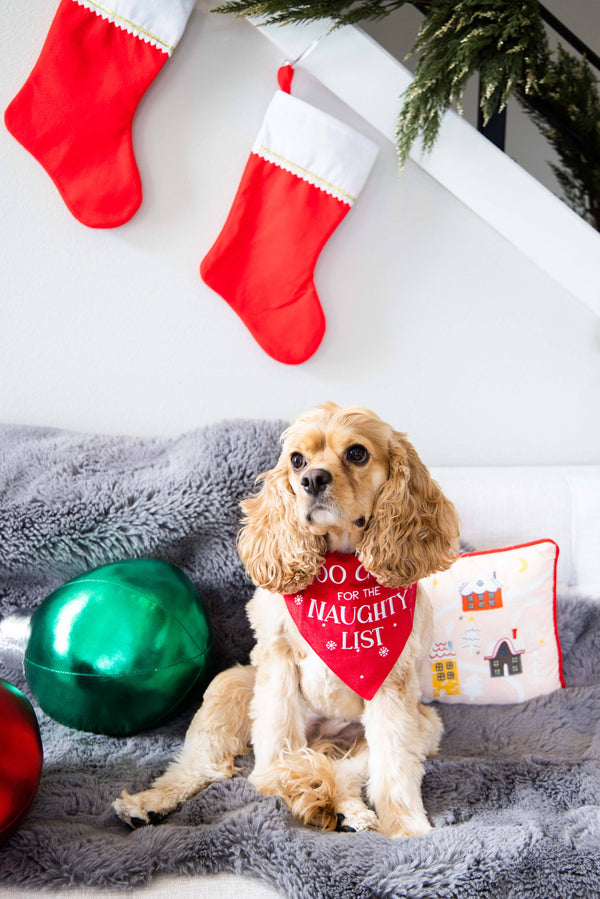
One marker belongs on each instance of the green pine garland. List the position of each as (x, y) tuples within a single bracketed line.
[(341, 12), (565, 105), (503, 40), (500, 39)]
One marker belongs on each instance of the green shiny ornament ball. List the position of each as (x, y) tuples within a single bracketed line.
[(116, 650)]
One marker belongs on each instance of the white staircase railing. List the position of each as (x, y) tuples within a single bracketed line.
[(370, 81)]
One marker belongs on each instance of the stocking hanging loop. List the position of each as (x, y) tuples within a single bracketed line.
[(285, 75), (286, 72), (309, 49)]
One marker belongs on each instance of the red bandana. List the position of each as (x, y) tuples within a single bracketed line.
[(356, 626)]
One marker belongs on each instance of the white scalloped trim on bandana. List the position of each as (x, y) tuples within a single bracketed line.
[(157, 22), (312, 145)]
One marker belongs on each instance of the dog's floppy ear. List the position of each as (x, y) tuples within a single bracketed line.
[(414, 529), (278, 555)]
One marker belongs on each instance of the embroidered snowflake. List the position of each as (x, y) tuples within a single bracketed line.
[(298, 599), (383, 651), (331, 644)]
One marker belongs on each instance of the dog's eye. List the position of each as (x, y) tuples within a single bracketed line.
[(357, 454), (297, 460)]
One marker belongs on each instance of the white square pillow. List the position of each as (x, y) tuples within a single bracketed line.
[(495, 637)]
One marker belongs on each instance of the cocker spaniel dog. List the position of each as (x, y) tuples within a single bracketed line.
[(344, 526)]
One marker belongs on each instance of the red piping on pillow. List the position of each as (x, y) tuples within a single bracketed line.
[(503, 549)]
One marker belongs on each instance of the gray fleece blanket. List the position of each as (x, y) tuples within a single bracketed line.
[(514, 794)]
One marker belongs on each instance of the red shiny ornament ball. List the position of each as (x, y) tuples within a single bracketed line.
[(21, 758)]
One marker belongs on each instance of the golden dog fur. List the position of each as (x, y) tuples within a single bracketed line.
[(316, 743)]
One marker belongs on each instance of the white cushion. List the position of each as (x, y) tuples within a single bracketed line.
[(505, 506)]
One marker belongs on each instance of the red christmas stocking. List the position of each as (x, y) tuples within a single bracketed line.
[(75, 110), (305, 171)]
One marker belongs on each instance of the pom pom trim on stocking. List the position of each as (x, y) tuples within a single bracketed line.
[(288, 166), (312, 145), (153, 21)]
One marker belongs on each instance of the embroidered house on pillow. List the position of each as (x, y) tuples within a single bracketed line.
[(482, 593), (495, 638), (443, 670), (505, 659)]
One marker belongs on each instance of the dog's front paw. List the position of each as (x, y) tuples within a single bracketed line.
[(357, 820), (140, 808), (354, 815)]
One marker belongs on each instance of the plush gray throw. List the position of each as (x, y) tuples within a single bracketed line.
[(514, 794)]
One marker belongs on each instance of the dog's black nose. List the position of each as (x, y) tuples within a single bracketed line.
[(316, 481)]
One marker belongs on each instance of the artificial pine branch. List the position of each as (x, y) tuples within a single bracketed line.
[(341, 12), (565, 105), (500, 39)]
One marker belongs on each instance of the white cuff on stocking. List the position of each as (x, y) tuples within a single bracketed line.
[(158, 22), (316, 147)]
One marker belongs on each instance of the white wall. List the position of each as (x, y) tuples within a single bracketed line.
[(432, 319)]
